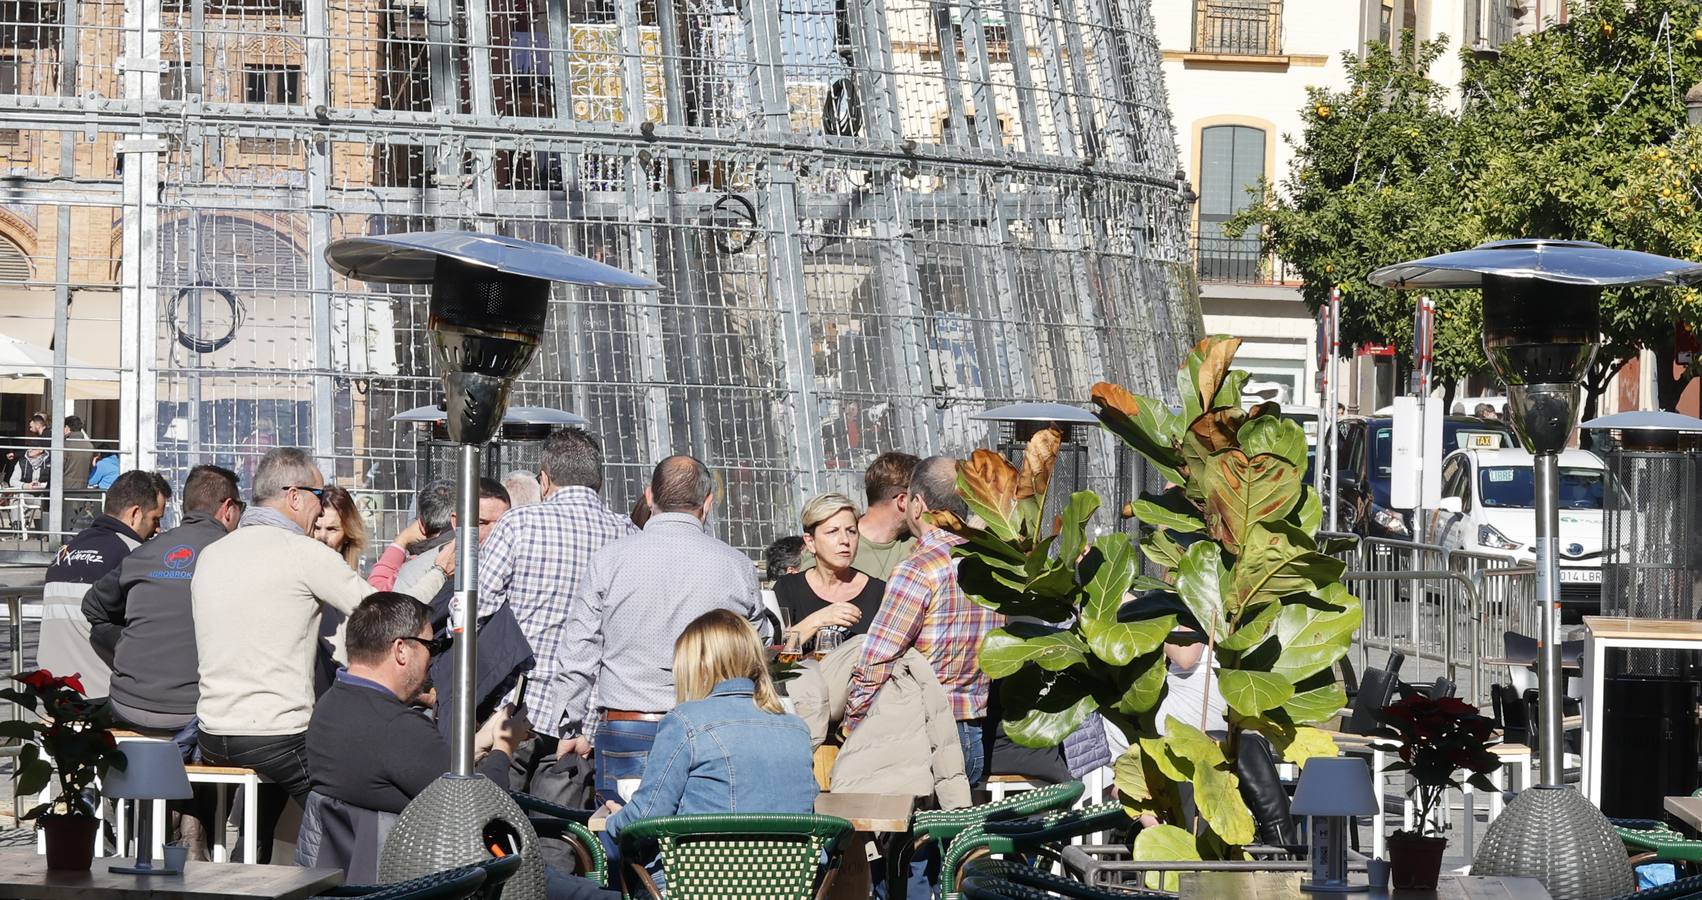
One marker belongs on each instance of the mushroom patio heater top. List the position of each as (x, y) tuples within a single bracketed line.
[(1541, 325), (489, 301)]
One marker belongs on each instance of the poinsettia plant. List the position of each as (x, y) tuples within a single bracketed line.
[(1236, 537), (68, 729), (1436, 741)]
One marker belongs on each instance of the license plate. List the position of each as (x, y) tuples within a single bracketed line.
[(1580, 576)]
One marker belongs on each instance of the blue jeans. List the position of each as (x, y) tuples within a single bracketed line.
[(974, 752), (622, 748)]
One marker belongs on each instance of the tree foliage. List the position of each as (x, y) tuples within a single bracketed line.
[(1237, 537), (1553, 137)]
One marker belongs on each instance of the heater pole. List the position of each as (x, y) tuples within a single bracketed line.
[(464, 617), (1549, 686)]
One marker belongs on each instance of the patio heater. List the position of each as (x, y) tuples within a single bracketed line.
[(1541, 325), (489, 301), (520, 424), (1015, 425)]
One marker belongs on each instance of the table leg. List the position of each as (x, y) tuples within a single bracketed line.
[(1499, 779), (220, 838), (852, 880), (1595, 656), (251, 820), (1379, 820)]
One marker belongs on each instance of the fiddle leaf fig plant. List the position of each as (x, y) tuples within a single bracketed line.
[(1236, 535)]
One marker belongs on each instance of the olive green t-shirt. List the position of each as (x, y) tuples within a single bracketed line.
[(874, 559)]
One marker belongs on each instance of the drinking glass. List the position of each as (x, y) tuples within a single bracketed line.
[(791, 648), (828, 640)]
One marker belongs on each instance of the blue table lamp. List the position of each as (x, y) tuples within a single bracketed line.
[(1331, 790), (153, 771)]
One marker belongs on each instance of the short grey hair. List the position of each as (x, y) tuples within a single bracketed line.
[(935, 479), (434, 504), (281, 469), (523, 487)]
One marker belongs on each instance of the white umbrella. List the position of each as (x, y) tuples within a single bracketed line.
[(24, 367)]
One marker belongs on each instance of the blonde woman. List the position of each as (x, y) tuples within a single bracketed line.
[(728, 747), (832, 594)]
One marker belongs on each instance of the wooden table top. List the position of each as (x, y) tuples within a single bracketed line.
[(873, 813), (1644, 629), (1528, 663), (23, 874), (1286, 886), (1686, 809)]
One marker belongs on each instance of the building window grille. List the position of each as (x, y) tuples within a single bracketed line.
[(1238, 27), (276, 85)]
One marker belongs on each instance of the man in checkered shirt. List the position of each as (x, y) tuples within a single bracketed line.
[(534, 561)]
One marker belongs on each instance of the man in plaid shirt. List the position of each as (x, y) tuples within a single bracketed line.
[(925, 608), (534, 561)]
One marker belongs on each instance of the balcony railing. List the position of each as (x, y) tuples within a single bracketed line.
[(1224, 260), (1238, 27)]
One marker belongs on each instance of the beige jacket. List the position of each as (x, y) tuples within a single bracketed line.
[(883, 756)]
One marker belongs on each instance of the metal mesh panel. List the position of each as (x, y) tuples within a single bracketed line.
[(1654, 523), (871, 220)]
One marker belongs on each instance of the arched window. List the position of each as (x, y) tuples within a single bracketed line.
[(1232, 159), (15, 267)]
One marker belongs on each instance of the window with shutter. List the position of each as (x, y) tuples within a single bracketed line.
[(1232, 159), (15, 267)]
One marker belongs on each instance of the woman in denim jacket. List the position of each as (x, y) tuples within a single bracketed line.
[(728, 747)]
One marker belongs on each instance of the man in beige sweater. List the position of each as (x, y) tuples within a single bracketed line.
[(256, 599)]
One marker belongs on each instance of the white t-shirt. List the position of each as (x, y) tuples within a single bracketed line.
[(1185, 694)]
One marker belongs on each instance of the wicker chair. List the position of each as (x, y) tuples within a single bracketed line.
[(1682, 889), (1028, 837), (991, 879), (552, 820), (455, 884), (1652, 840), (942, 826), (735, 856)]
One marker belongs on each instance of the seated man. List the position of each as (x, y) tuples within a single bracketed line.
[(368, 747)]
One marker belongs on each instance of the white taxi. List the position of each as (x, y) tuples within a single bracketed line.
[(1486, 506)]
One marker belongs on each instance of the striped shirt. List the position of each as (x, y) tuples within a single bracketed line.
[(535, 559), (925, 608)]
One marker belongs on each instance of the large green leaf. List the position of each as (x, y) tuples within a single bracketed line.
[(1129, 774), (1199, 581), (1113, 636), (1161, 548), (1276, 436), (1252, 631), (1165, 843), (1171, 509), (33, 776), (988, 484), (1229, 395), (998, 588), (1275, 563), (1072, 533), (1191, 744), (1313, 704), (1251, 693), (1171, 766), (1006, 650), (1315, 633), (1143, 683), (1309, 743), (1310, 513), (1218, 795), (1144, 423), (1242, 492), (1042, 708)]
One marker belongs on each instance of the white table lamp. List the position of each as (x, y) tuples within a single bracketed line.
[(153, 771), (1331, 790)]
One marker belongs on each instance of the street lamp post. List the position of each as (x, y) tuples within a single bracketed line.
[(1541, 325)]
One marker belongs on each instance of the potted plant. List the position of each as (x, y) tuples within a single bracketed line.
[(1234, 542), (77, 736), (1436, 741)]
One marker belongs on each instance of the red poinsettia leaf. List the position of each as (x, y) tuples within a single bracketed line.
[(74, 682)]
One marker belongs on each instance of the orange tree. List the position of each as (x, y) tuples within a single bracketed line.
[(1237, 538)]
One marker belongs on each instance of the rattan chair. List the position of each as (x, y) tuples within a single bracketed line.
[(942, 826), (552, 820), (737, 856), (1035, 836), (455, 884), (1682, 889)]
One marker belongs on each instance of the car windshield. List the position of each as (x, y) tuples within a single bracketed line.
[(1454, 436), (1510, 486)]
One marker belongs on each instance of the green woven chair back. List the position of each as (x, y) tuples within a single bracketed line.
[(1682, 889), (993, 878), (737, 856), (944, 824)]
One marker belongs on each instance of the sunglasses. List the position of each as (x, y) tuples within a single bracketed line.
[(434, 646), (317, 492)]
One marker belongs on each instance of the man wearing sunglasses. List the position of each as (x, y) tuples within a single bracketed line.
[(257, 598)]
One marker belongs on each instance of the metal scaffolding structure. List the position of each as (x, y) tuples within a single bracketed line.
[(871, 219)]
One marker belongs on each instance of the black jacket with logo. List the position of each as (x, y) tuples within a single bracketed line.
[(141, 623), (92, 553)]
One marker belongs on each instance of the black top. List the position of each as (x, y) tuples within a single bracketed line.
[(368, 748), (800, 601)]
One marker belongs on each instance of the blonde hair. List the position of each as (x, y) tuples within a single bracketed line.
[(822, 507), (716, 646)]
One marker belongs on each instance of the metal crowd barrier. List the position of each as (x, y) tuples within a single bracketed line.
[(1444, 609)]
